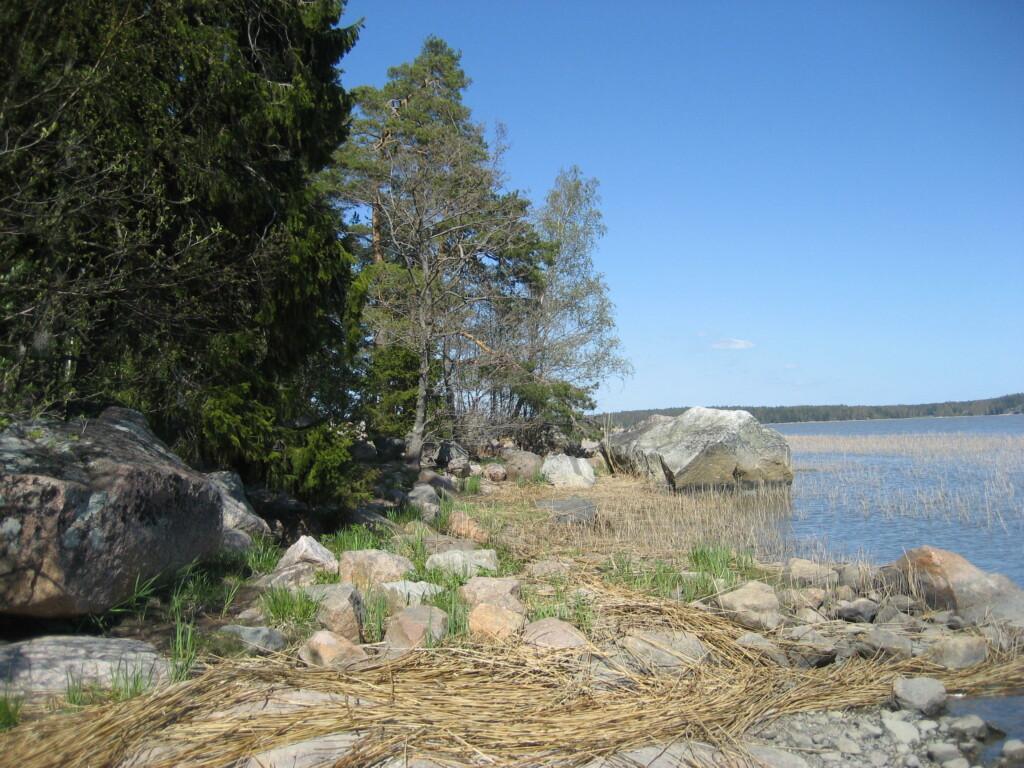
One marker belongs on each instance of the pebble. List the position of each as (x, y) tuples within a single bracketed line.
[(847, 746)]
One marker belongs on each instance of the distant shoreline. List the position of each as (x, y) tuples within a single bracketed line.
[(823, 414), (892, 418)]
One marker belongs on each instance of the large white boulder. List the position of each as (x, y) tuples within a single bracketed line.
[(702, 448)]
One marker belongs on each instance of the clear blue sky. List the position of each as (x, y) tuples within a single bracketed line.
[(806, 202)]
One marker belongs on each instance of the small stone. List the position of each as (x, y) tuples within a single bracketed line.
[(763, 645), (847, 746), (462, 525), (416, 627), (807, 573), (340, 609), (941, 751), (407, 594), (927, 726), (548, 569), (494, 622), (958, 652), (308, 550), (327, 649), (922, 694), (259, 639), (753, 605), (369, 567), (878, 640), (861, 609), (902, 732), (810, 616), (464, 562), (910, 761), (496, 473), (878, 759), (664, 651), (968, 727), (503, 592), (1013, 751), (553, 633)]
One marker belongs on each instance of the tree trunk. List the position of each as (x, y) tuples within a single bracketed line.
[(414, 445)]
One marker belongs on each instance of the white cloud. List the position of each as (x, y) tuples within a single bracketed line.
[(732, 344)]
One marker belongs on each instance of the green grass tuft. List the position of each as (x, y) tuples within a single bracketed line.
[(290, 609), (353, 537), (263, 555), (471, 485), (184, 650), (375, 616), (10, 711)]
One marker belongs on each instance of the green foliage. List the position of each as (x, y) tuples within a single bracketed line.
[(263, 556), (293, 610), (165, 244), (387, 389), (353, 537), (471, 485), (10, 711), (184, 650), (449, 600), (375, 615)]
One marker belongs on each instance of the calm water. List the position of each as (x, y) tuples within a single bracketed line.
[(893, 484), (955, 483)]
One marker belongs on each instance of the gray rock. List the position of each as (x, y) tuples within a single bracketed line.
[(298, 575), (658, 652), (968, 727), (236, 511), (424, 498), (958, 652), (903, 732), (1013, 751), (407, 594), (861, 609), (807, 573), (753, 605), (416, 627), (942, 751), (340, 609), (567, 471), (521, 465), (463, 562), (814, 649), (233, 540), (921, 694), (764, 646), (847, 746), (571, 511), (259, 639), (308, 550), (91, 506), (44, 665), (878, 640), (703, 447)]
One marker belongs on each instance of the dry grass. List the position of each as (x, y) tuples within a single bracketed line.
[(639, 518), (463, 704), (507, 706)]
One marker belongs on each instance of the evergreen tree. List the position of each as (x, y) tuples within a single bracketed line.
[(162, 243), (444, 241)]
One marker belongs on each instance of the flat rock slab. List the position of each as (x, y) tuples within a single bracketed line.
[(45, 664), (567, 471), (922, 694), (571, 511), (553, 633), (664, 651)]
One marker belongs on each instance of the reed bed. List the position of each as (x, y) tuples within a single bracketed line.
[(461, 705)]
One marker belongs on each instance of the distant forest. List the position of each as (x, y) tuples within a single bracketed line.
[(780, 414)]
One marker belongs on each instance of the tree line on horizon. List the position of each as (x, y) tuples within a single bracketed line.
[(200, 221), (782, 414)]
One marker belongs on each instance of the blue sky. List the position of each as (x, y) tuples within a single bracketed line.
[(806, 202)]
